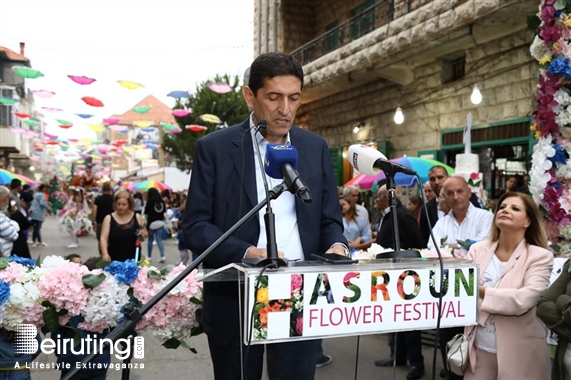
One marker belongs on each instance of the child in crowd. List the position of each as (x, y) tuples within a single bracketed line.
[(184, 255), (67, 332)]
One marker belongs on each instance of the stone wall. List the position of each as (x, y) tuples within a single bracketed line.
[(503, 69)]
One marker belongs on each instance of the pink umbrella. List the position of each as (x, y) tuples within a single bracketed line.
[(219, 87), (180, 113), (83, 80), (111, 120), (52, 109), (43, 93)]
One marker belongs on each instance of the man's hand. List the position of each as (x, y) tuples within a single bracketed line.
[(259, 253), (338, 249)]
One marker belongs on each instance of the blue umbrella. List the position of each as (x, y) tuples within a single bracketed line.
[(178, 94), (84, 115)]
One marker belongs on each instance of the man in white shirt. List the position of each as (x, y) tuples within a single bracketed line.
[(464, 221), (361, 211)]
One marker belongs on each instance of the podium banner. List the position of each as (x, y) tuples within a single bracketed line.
[(325, 302)]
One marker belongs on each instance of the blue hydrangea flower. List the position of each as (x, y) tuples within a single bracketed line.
[(4, 292), (125, 272), (24, 261), (560, 155), (560, 65)]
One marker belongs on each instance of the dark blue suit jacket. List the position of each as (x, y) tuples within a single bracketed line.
[(223, 189)]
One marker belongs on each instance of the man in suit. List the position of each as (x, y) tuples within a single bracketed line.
[(226, 183), (408, 343)]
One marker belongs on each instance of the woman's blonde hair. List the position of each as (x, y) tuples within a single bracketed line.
[(352, 213), (127, 195), (535, 233)]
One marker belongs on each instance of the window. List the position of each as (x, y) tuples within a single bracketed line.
[(6, 116), (331, 40), (453, 67), (363, 19)]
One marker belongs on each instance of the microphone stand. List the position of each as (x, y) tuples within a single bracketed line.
[(133, 316), (272, 260)]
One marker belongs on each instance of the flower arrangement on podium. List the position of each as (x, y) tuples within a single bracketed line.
[(48, 295), (550, 175)]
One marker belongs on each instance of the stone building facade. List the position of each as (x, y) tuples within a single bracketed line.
[(364, 58)]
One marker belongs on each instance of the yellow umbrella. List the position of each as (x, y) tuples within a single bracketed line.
[(209, 118), (143, 124), (96, 127), (130, 85)]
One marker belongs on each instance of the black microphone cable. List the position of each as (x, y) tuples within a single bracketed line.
[(441, 262)]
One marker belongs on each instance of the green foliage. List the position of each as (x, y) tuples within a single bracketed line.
[(230, 108)]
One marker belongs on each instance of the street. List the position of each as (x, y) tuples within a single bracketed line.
[(160, 362)]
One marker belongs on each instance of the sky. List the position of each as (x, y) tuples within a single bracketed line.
[(164, 45)]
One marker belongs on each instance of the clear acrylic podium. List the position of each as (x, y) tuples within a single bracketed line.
[(311, 299)]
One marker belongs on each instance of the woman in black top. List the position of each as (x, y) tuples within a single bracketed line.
[(121, 229), (155, 210)]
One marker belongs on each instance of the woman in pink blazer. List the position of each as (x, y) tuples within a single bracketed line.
[(509, 341)]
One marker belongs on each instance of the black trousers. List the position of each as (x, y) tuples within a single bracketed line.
[(408, 346)]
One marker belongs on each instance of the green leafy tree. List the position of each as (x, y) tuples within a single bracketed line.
[(230, 108)]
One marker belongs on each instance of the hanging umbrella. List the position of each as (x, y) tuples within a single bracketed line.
[(178, 94), (209, 118), (146, 185), (219, 87), (111, 120), (52, 109), (130, 85), (196, 128), (94, 102), (22, 115), (419, 165), (84, 115), (66, 126), (31, 123), (142, 109), (43, 93), (7, 176), (7, 101), (27, 72), (83, 80), (96, 127), (180, 113), (143, 124), (62, 121)]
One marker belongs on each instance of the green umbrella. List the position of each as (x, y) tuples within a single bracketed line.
[(27, 72), (31, 123), (142, 109), (7, 101), (64, 122)]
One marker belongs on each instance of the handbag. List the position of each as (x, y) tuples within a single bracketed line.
[(457, 354), (157, 224)]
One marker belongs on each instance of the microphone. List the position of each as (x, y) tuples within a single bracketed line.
[(281, 162), (262, 125), (369, 161)]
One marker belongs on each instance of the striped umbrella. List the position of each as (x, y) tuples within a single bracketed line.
[(7, 176), (146, 185)]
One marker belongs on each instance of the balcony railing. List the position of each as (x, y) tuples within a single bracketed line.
[(373, 17)]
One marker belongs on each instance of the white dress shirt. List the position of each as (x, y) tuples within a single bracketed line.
[(287, 232), (475, 226)]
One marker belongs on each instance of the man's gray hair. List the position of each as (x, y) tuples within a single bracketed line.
[(4, 191), (349, 189)]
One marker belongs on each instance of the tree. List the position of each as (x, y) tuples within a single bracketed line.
[(230, 108)]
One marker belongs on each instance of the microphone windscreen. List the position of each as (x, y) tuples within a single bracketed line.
[(276, 156), (363, 158)]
